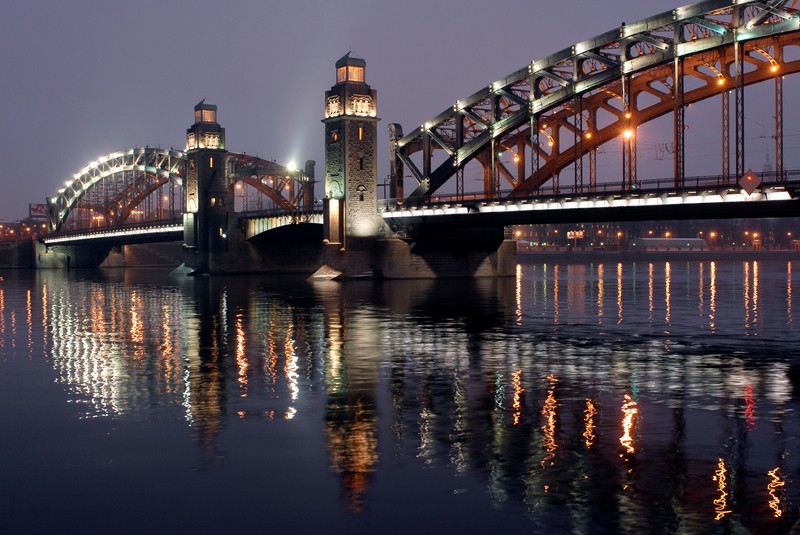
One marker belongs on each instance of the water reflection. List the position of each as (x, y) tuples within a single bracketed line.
[(775, 489), (721, 501), (517, 387)]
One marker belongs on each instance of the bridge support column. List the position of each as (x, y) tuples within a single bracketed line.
[(209, 198), (351, 220)]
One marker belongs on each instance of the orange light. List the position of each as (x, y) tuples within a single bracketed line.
[(774, 67), (628, 133), (588, 135), (627, 115), (720, 81)]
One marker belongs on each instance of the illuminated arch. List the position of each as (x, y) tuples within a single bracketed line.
[(560, 97), (150, 167), (122, 181)]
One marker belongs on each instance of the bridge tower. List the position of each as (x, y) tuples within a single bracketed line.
[(209, 198), (351, 131)]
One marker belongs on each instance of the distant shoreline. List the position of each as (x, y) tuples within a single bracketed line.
[(582, 255)]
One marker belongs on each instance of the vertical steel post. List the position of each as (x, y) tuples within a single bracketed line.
[(624, 121), (726, 137), (578, 145), (779, 173), (739, 117), (629, 164), (679, 130), (493, 163), (535, 150)]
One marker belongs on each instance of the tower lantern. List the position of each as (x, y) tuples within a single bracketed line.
[(351, 128)]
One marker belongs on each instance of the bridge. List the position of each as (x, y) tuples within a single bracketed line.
[(533, 136), (555, 113), (138, 195)]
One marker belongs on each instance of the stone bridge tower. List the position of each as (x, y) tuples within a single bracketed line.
[(351, 131), (209, 199)]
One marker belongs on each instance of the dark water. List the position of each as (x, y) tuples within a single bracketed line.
[(587, 398)]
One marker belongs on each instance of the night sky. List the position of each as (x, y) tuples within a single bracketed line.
[(85, 78)]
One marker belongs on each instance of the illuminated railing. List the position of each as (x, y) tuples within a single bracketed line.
[(653, 186), (656, 192), (173, 226)]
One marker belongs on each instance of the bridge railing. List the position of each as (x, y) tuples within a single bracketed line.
[(649, 186), (316, 208), (142, 226)]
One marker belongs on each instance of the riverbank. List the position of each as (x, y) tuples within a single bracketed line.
[(16, 254)]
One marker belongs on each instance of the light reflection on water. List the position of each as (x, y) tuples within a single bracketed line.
[(517, 395)]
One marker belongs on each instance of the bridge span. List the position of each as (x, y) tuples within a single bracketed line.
[(534, 136)]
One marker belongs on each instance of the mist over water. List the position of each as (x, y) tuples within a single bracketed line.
[(573, 398)]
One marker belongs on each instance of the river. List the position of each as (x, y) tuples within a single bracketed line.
[(605, 397)]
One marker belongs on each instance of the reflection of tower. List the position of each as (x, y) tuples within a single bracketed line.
[(351, 128), (208, 196), (205, 353), (351, 421)]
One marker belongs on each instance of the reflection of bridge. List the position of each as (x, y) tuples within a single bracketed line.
[(525, 134)]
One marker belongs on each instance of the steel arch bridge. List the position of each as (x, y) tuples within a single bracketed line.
[(557, 111), (145, 187)]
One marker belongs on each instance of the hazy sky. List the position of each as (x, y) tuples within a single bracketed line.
[(85, 78)]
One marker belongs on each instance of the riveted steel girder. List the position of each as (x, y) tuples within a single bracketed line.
[(542, 93)]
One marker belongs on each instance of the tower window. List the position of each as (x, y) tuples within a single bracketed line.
[(355, 74), (205, 116), (211, 162), (360, 133), (335, 135), (341, 74), (361, 164)]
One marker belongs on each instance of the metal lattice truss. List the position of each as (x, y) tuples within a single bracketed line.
[(147, 185), (556, 110), (109, 190), (290, 190)]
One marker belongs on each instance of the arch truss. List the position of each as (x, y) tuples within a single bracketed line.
[(119, 188), (558, 110), (146, 185), (262, 185)]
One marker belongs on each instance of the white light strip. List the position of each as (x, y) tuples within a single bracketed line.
[(113, 234), (583, 203)]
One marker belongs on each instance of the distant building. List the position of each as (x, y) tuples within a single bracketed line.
[(668, 244)]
